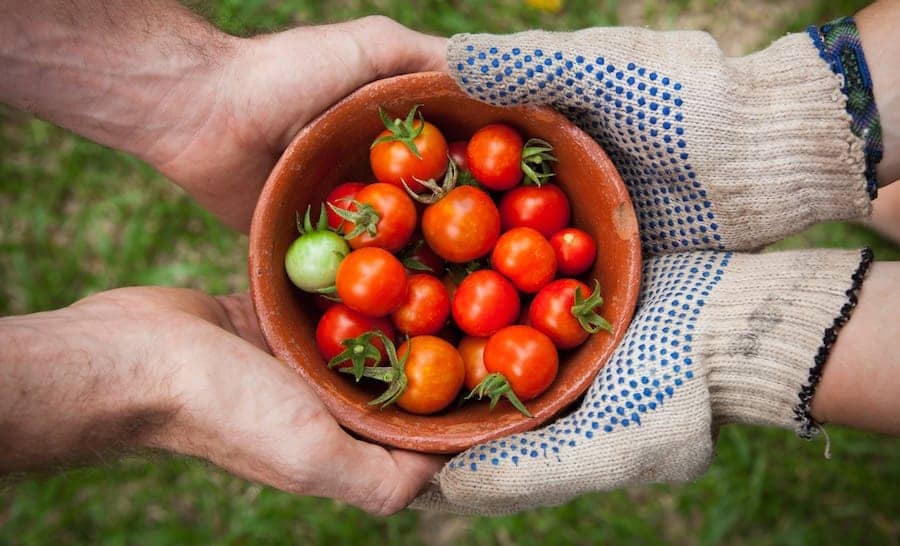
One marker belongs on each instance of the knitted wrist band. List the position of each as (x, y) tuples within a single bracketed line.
[(839, 45), (808, 427)]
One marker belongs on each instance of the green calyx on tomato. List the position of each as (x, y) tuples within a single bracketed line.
[(496, 386), (394, 374), (313, 258), (465, 178), (584, 310), (358, 351), (403, 130), (364, 219), (537, 161), (436, 191)]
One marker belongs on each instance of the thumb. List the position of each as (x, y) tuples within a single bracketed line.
[(399, 50), (378, 480)]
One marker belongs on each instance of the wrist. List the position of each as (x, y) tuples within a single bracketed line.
[(72, 388), (131, 76), (769, 330)]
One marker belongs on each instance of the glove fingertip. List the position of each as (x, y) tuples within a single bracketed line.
[(484, 66)]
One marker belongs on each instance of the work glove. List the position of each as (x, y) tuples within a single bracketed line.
[(719, 155)]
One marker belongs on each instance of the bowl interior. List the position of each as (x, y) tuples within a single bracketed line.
[(334, 149)]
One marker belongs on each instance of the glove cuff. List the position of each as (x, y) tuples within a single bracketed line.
[(839, 45), (769, 330)]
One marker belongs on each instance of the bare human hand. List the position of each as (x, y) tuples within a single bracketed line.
[(181, 371), (212, 112)]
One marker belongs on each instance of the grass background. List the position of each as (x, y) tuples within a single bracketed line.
[(76, 218)]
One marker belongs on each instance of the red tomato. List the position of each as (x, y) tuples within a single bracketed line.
[(544, 208), (494, 155), (340, 323), (485, 302), (575, 251), (472, 351), (526, 258), (340, 197), (389, 211), (372, 281), (551, 313), (426, 308), (434, 372), (463, 225), (393, 161), (525, 357), (458, 154)]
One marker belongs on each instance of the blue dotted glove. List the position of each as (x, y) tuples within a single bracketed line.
[(718, 153), (718, 338)]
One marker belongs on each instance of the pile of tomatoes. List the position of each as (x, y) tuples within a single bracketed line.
[(409, 257)]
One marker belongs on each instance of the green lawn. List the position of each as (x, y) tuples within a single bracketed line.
[(78, 218)]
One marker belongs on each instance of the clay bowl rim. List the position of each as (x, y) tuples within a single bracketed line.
[(363, 420)]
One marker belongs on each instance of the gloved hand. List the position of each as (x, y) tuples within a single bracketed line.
[(722, 154), (718, 338), (718, 153)]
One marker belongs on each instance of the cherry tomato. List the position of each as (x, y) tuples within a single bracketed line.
[(575, 251), (551, 313), (372, 281), (340, 323), (458, 154), (313, 259), (525, 357), (494, 155), (544, 208), (434, 372), (341, 197), (388, 210), (472, 351), (485, 302), (463, 225), (426, 307), (394, 162), (526, 258)]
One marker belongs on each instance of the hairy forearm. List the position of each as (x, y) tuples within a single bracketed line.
[(66, 395), (119, 72), (878, 25), (860, 385)]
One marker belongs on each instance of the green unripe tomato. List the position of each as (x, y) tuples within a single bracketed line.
[(312, 260)]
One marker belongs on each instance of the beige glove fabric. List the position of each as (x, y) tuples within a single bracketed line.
[(718, 153), (718, 338)]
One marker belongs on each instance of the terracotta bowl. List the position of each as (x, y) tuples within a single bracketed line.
[(334, 149)]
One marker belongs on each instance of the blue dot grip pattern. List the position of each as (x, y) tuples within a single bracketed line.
[(653, 361), (636, 114)]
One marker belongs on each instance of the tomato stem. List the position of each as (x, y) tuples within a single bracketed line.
[(437, 192), (495, 386), (305, 226), (405, 131), (364, 219), (358, 350), (537, 161), (394, 374), (584, 310)]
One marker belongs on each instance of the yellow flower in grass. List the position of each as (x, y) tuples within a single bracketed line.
[(553, 6)]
